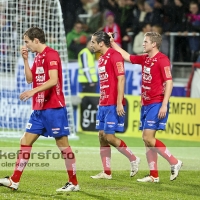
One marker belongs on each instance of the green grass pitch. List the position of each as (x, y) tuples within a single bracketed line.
[(38, 183)]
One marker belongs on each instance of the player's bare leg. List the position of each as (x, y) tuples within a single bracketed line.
[(70, 163)]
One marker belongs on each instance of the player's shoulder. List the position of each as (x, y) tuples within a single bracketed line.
[(51, 52), (161, 55), (114, 52)]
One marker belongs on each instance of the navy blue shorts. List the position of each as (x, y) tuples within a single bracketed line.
[(149, 117), (49, 123), (108, 120)]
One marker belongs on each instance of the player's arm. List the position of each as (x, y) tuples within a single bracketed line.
[(53, 79), (166, 73), (120, 95), (27, 70), (115, 46), (168, 91)]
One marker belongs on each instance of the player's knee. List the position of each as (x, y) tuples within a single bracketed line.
[(23, 140), (147, 140), (62, 142), (101, 135), (110, 139)]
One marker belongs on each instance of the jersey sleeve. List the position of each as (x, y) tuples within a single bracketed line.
[(138, 59), (165, 68), (52, 60), (118, 63)]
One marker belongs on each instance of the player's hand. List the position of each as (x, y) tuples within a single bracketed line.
[(162, 112), (26, 95), (120, 110), (24, 52), (111, 36)]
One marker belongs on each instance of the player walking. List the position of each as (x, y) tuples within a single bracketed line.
[(49, 117), (156, 90), (111, 113)]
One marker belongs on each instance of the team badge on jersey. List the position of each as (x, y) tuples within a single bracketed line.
[(120, 67), (52, 63), (168, 72)]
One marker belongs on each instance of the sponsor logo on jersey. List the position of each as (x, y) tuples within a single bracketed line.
[(147, 77), (147, 70), (100, 60), (167, 72), (66, 127), (120, 67), (103, 77), (39, 70), (104, 86), (101, 69), (52, 63), (146, 87), (40, 78), (40, 97)]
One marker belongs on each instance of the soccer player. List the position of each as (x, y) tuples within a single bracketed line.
[(111, 111), (49, 117), (156, 90)]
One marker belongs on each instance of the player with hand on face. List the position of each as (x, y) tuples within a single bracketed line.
[(49, 116), (156, 90), (111, 110)]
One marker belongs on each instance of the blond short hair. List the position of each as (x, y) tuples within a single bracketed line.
[(154, 37)]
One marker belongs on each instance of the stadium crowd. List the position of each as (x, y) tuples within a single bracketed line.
[(128, 18)]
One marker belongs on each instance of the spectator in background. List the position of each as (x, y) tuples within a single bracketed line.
[(113, 27), (95, 22), (193, 25), (76, 40), (142, 13), (174, 17), (87, 74), (70, 10), (164, 48), (156, 16), (87, 6), (108, 5), (139, 38), (124, 18)]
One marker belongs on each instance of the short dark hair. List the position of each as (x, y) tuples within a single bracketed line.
[(35, 32), (144, 25), (103, 36)]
